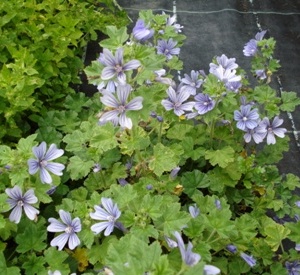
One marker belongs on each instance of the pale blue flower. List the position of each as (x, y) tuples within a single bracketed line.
[(246, 118), (194, 211), (56, 272), (260, 35), (115, 67), (69, 228), (167, 48), (293, 268), (225, 75), (188, 257), (204, 103), (233, 86), (257, 134), (107, 213), (192, 83), (171, 243), (250, 48), (231, 248), (297, 247), (272, 129), (211, 270), (120, 106), (171, 21), (261, 74), (18, 201), (176, 101), (225, 62), (43, 162), (248, 259), (174, 172), (142, 32)]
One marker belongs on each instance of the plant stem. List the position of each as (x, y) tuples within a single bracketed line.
[(211, 234)]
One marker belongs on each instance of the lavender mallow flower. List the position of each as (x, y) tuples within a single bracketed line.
[(42, 162), (272, 129), (225, 75), (258, 134), (248, 259), (191, 82), (250, 48), (204, 103), (142, 32), (246, 118), (115, 67), (188, 257), (194, 211), (211, 270), (170, 22), (69, 228), (176, 101), (293, 268), (18, 201), (167, 48), (225, 62), (120, 106), (107, 213)]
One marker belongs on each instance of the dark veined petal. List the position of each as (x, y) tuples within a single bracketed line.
[(33, 166), (191, 258), (167, 104), (109, 229), (211, 270), (29, 197), (119, 56), (53, 153), (76, 224), (16, 213), (277, 122), (271, 138), (109, 58), (108, 99), (12, 203), (65, 217), (135, 104), (125, 121), (40, 151), (250, 124), (15, 193), (73, 241), (108, 73), (108, 205), (55, 168), (60, 241), (99, 227), (280, 132), (56, 225), (99, 214), (172, 94), (45, 176), (109, 116), (123, 92), (30, 211), (131, 65)]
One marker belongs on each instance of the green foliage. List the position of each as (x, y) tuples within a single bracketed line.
[(156, 173)]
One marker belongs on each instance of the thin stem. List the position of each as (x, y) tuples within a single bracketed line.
[(211, 234)]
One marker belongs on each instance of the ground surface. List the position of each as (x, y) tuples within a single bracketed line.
[(214, 27)]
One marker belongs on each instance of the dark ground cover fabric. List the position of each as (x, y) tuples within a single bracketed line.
[(215, 27)]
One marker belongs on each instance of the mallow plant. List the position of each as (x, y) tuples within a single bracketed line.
[(156, 174)]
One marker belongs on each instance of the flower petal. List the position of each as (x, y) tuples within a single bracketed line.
[(109, 229), (99, 227), (108, 99), (30, 211), (135, 104), (16, 213), (15, 193), (108, 73), (131, 65), (33, 166), (55, 168), (29, 197), (45, 176), (73, 241), (60, 241), (65, 217), (56, 225), (125, 121), (53, 153), (40, 151)]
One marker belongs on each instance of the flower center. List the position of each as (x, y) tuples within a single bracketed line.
[(245, 118), (110, 218), (166, 51), (118, 68), (205, 103), (69, 229), (20, 203), (121, 109), (43, 162)]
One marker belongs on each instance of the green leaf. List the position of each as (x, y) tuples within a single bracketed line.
[(33, 238), (132, 256), (289, 101), (116, 37), (164, 159), (191, 181), (34, 264), (57, 260), (220, 157), (4, 270), (79, 168), (179, 131)]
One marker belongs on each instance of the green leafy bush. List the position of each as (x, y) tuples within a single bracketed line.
[(147, 172), (41, 54)]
